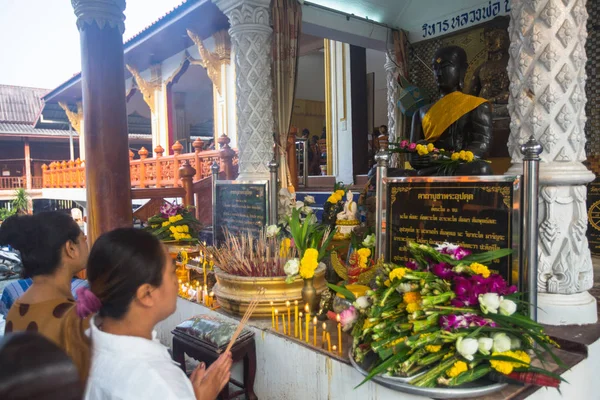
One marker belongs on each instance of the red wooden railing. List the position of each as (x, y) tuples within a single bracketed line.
[(156, 172)]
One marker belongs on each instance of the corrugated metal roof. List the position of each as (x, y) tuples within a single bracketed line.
[(7, 128), (20, 104)]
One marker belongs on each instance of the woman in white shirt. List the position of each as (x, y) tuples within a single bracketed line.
[(133, 287)]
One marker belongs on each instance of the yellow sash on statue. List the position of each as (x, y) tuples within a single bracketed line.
[(446, 111)]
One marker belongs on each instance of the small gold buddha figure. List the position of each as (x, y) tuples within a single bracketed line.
[(490, 80), (347, 220)]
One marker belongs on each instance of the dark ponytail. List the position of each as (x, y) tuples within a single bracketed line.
[(119, 263), (40, 239)]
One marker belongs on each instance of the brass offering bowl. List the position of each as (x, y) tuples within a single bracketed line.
[(234, 293)]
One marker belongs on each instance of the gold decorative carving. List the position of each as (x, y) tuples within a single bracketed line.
[(212, 61), (75, 118), (398, 189), (504, 191), (146, 87)]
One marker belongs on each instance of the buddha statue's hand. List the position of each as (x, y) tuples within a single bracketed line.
[(417, 161)]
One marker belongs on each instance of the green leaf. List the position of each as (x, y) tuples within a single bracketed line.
[(343, 291), (384, 365)]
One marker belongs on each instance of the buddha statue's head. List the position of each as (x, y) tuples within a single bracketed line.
[(496, 39), (449, 67)]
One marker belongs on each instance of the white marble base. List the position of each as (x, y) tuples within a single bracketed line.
[(567, 309)]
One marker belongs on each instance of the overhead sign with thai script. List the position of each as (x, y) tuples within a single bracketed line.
[(477, 213), (486, 11)]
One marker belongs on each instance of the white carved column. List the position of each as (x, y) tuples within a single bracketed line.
[(251, 36), (391, 72), (154, 93), (547, 100)]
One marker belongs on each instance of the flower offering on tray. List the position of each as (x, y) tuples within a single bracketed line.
[(174, 223), (445, 319)]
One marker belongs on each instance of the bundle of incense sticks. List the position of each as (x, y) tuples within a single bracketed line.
[(246, 317)]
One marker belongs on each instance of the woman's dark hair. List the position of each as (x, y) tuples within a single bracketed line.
[(119, 263), (40, 239), (305, 132), (33, 367)]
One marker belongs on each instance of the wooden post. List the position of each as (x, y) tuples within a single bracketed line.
[(28, 183), (108, 183), (143, 153), (292, 159), (80, 174), (158, 152), (63, 174), (176, 148), (72, 174), (186, 173), (198, 146), (226, 156), (45, 176)]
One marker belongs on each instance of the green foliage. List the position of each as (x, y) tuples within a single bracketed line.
[(308, 233), (5, 213), (21, 201)]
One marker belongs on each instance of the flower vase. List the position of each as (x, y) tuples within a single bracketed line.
[(309, 295)]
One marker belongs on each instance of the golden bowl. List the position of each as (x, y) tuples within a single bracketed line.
[(234, 293)]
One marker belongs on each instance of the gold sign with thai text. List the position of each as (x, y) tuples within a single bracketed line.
[(477, 213)]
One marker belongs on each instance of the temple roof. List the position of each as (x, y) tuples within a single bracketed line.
[(20, 104)]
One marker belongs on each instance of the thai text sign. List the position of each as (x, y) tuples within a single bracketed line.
[(477, 213), (240, 207), (486, 11)]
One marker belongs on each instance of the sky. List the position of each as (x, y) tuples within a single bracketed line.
[(39, 40)]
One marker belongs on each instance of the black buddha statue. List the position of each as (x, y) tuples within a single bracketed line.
[(455, 122)]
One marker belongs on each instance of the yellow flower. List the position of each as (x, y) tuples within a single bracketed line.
[(340, 193), (458, 368), (397, 273), (469, 156), (395, 342), (173, 229), (334, 198), (480, 269), (433, 348), (387, 283), (412, 297), (462, 154), (364, 252), (363, 255), (422, 150), (165, 223), (368, 324), (186, 228), (412, 307), (430, 147), (454, 156), (154, 226), (309, 263), (506, 367)]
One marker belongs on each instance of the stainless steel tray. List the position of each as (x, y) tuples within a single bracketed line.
[(479, 388)]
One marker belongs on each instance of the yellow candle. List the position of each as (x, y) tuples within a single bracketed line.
[(315, 331), (272, 316), (333, 348), (323, 336), (283, 323), (289, 318), (211, 296), (276, 320), (296, 319), (339, 326), (306, 321), (328, 342), (300, 327), (204, 271)]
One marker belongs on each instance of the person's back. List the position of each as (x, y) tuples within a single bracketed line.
[(133, 286), (52, 249)]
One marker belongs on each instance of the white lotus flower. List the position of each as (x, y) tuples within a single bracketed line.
[(299, 205), (292, 267), (501, 343), (507, 307), (308, 200), (369, 241), (489, 302), (404, 288), (272, 231), (362, 302), (515, 343), (485, 345), (307, 210), (467, 347)]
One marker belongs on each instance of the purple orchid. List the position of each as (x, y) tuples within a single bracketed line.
[(443, 270), (412, 265), (170, 210), (403, 144), (452, 321)]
